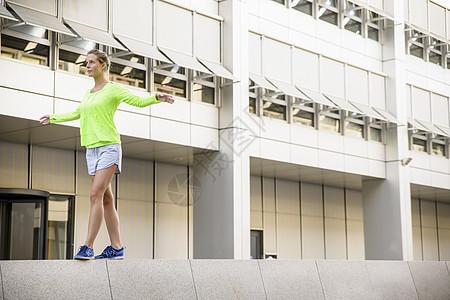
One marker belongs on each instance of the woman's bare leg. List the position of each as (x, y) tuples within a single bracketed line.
[(102, 180)]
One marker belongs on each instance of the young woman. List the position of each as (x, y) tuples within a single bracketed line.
[(103, 154)]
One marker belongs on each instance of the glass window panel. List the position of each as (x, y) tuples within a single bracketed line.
[(24, 50), (328, 16), (352, 25), (419, 145), (130, 57), (203, 93), (170, 85), (58, 227), (416, 51), (273, 110), (375, 134), (373, 33), (332, 3), (435, 58), (354, 130), (303, 117), (329, 123), (72, 62), (279, 1), (171, 68), (252, 105), (304, 6), (127, 75), (438, 149)]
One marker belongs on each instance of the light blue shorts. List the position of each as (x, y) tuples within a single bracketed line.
[(104, 157)]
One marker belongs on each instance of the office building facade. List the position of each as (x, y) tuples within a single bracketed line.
[(300, 129)]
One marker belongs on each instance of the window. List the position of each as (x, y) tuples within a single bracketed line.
[(376, 133), (252, 96), (256, 244), (330, 122), (354, 126), (416, 44), (419, 143), (204, 88), (438, 148), (435, 51), (303, 113), (60, 227), (170, 79), (26, 43), (274, 106), (72, 54), (352, 17), (128, 69), (373, 27), (328, 11), (279, 1), (305, 6)]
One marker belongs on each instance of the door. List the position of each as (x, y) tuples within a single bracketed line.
[(22, 224)]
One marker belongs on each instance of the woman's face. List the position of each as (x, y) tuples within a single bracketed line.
[(94, 67)]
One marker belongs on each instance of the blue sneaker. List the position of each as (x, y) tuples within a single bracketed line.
[(111, 253), (84, 253)]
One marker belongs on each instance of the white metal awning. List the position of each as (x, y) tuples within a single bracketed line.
[(4, 13), (287, 89), (141, 48), (185, 61), (217, 69), (343, 104), (40, 19), (387, 115), (431, 128), (446, 130), (316, 97), (94, 34), (368, 111), (262, 82), (416, 125)]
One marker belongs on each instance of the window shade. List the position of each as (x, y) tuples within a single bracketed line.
[(277, 60)]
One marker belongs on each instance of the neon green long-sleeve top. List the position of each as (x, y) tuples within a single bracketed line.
[(96, 113)]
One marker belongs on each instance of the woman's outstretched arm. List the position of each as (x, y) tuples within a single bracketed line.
[(124, 95), (58, 118)]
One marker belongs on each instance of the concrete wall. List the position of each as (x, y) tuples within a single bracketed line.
[(225, 279)]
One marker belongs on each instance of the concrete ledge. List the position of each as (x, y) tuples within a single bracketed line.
[(227, 279), (291, 279), (151, 279), (224, 279), (431, 279), (345, 279), (391, 280), (55, 279)]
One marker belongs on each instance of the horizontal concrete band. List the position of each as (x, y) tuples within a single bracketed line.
[(225, 279)]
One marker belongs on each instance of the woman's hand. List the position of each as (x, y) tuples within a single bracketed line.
[(164, 98), (45, 120)]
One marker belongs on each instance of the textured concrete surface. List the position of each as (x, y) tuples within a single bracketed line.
[(53, 279), (224, 279), (391, 280), (431, 279), (227, 279), (345, 279), (291, 279), (151, 279)]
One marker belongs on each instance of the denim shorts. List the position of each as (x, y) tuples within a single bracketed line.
[(104, 157)]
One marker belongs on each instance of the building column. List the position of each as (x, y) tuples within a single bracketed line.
[(222, 210), (387, 203)]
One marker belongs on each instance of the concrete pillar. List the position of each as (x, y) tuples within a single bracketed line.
[(222, 211), (387, 203)]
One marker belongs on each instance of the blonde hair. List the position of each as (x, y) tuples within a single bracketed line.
[(102, 57)]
